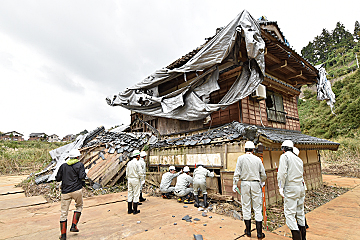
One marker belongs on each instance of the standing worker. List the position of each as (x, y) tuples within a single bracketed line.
[(291, 188), (143, 155), (166, 180), (200, 174), (72, 175), (250, 170), (182, 188), (135, 178)]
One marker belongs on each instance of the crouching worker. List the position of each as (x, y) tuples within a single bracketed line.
[(200, 175), (72, 175), (165, 185), (250, 170), (182, 189), (135, 177)]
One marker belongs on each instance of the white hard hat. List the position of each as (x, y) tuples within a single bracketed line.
[(287, 143), (74, 153), (135, 153), (296, 151), (171, 168), (143, 154), (186, 169), (199, 163), (249, 144)]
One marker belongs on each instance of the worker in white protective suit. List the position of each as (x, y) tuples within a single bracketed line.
[(182, 187), (291, 187), (143, 155), (297, 152), (135, 178), (199, 177), (250, 170), (166, 179)]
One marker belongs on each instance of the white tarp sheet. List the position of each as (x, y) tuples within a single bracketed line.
[(324, 91), (191, 102)]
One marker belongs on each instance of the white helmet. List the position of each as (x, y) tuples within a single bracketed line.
[(143, 154), (296, 151), (186, 169), (171, 168), (200, 163), (249, 144), (287, 143), (135, 153), (74, 153)]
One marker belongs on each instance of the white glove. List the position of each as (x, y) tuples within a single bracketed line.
[(86, 171), (234, 188), (262, 184), (142, 182), (281, 191)]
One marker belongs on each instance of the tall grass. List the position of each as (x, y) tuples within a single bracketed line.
[(25, 157)]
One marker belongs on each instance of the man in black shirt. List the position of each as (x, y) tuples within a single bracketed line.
[(72, 174)]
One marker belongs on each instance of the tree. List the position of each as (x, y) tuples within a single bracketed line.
[(308, 53), (342, 37), (357, 31)]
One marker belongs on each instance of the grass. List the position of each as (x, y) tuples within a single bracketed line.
[(25, 157)]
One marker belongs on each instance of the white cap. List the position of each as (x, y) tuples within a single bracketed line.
[(200, 163), (143, 154), (287, 143), (186, 169), (249, 144), (296, 151), (74, 153), (135, 153), (171, 168)]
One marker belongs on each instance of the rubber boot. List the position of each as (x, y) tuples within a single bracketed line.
[(303, 232), (260, 234), (141, 198), (205, 201), (306, 225), (135, 211), (296, 235), (130, 210), (75, 221), (247, 228), (168, 196), (196, 204), (189, 199), (63, 227)]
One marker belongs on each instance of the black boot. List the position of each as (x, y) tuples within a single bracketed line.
[(130, 210), (141, 198), (189, 199), (135, 205), (303, 232), (247, 228), (296, 235), (196, 204), (306, 225), (205, 201), (63, 227), (260, 234), (75, 221)]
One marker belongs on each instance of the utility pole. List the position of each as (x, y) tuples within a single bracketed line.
[(357, 61)]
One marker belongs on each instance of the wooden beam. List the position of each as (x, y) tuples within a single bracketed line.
[(279, 65), (272, 57), (297, 75)]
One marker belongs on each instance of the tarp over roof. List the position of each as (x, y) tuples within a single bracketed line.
[(188, 103)]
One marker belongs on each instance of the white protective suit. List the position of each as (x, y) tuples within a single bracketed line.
[(250, 170), (166, 182), (143, 168), (134, 175), (182, 185), (200, 175), (290, 178)]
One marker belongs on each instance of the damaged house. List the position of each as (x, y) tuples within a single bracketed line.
[(242, 84)]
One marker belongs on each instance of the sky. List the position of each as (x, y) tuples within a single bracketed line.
[(59, 60)]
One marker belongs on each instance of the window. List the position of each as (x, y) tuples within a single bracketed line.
[(275, 107)]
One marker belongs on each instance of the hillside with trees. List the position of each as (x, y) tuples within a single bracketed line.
[(338, 51)]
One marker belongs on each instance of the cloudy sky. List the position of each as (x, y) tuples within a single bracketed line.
[(59, 60)]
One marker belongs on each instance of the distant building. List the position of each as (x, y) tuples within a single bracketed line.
[(12, 136), (53, 138), (69, 137), (37, 137)]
